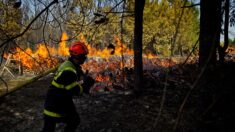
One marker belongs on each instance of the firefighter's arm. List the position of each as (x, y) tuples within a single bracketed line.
[(88, 81)]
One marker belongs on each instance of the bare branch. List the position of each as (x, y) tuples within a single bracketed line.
[(30, 24), (190, 6)]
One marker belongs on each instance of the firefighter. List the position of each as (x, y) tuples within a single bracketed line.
[(59, 106)]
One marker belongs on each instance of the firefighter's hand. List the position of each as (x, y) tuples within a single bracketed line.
[(88, 82)]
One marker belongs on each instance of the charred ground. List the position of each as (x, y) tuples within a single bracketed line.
[(210, 106)]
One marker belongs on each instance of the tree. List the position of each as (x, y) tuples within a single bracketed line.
[(210, 27), (138, 32), (160, 24), (222, 49), (11, 19), (97, 20), (186, 24)]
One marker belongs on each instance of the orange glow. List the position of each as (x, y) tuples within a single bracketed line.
[(150, 56), (105, 53), (42, 58), (63, 49), (121, 65), (34, 60), (122, 48), (100, 78)]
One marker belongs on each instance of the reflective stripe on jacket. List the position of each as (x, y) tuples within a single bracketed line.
[(66, 66), (59, 101), (52, 114)]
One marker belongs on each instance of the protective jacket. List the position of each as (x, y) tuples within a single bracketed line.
[(64, 86)]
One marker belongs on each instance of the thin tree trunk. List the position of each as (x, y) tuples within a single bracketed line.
[(226, 27), (222, 50), (138, 32), (177, 30)]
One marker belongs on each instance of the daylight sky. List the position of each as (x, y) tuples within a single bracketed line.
[(231, 29)]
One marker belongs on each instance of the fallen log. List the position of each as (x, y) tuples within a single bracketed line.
[(21, 84)]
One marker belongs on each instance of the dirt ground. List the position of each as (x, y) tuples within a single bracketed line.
[(210, 107)]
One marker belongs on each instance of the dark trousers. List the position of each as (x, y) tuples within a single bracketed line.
[(71, 121)]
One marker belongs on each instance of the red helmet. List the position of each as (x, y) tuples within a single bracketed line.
[(78, 48)]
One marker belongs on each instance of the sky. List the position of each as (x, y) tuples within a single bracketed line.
[(231, 29)]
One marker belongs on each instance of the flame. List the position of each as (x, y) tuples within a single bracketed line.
[(34, 60), (40, 58), (150, 56), (121, 65), (101, 78), (105, 53), (47, 56), (122, 48), (63, 49)]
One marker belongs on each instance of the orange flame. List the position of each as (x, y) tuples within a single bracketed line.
[(63, 49), (105, 53), (39, 58), (101, 78), (34, 60), (42, 58)]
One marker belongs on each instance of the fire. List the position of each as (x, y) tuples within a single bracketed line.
[(63, 50), (105, 53), (101, 78), (108, 67), (121, 48), (41, 51), (150, 56), (43, 57), (23, 57), (34, 60), (46, 56)]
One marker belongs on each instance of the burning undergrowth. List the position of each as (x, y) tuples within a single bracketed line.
[(110, 75), (112, 67)]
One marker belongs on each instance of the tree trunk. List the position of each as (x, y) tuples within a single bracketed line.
[(210, 26), (222, 50), (138, 32), (150, 46)]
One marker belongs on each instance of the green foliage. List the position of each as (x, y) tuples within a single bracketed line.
[(163, 22), (10, 19), (83, 21), (160, 22)]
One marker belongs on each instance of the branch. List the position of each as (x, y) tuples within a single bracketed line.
[(177, 30), (194, 85), (106, 16), (20, 85), (2, 55), (119, 12), (45, 43), (114, 7), (5, 83), (194, 47), (189, 6), (163, 98), (28, 54), (30, 24)]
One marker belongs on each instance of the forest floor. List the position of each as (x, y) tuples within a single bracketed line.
[(210, 105)]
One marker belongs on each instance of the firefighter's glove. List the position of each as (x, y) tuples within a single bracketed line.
[(88, 82)]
